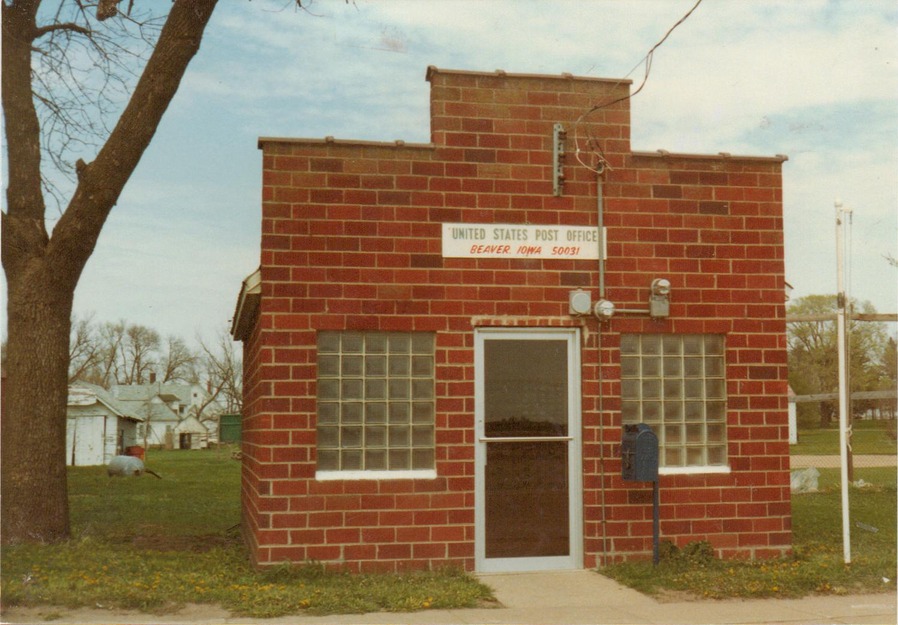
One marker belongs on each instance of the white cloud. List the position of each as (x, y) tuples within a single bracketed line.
[(156, 272)]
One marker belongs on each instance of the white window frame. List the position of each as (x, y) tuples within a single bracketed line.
[(330, 474), (638, 401)]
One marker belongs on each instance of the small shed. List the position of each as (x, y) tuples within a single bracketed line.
[(189, 433), (97, 426), (229, 428)]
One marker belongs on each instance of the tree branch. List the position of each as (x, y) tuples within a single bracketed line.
[(23, 192), (69, 26), (102, 181)]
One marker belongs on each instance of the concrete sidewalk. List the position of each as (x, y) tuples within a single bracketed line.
[(565, 597), (834, 462)]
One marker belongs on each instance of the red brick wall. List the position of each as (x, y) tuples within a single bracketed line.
[(351, 240)]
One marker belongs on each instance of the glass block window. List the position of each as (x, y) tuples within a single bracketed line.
[(375, 401), (676, 384)]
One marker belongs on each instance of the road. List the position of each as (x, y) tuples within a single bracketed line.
[(833, 462)]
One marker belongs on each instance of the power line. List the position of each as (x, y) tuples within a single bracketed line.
[(647, 60)]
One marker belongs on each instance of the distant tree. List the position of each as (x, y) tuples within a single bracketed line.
[(813, 352), (60, 64), (223, 369), (126, 353), (888, 376), (889, 361), (111, 338), (178, 362), (138, 355), (84, 349)]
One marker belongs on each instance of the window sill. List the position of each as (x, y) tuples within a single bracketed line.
[(693, 470), (330, 476)]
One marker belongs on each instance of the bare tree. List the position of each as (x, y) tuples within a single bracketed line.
[(138, 355), (43, 89), (125, 353), (177, 364), (223, 368), (111, 337), (84, 349)]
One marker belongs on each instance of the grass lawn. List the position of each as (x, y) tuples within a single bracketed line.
[(868, 437), (816, 566), (154, 545)]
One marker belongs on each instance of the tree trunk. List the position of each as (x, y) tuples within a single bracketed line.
[(827, 412), (32, 448), (42, 272)]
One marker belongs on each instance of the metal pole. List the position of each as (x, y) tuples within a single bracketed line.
[(656, 555), (843, 380)]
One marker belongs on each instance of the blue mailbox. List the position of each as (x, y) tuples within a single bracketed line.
[(639, 453), (639, 463)]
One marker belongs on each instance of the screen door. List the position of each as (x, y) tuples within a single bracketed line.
[(528, 487)]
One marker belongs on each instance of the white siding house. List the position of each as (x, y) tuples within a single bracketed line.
[(175, 416), (97, 426)]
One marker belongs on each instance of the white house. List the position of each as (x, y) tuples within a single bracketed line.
[(98, 427), (174, 415)]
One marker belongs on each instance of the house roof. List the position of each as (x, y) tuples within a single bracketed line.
[(168, 391), (139, 399), (247, 306), (152, 412), (86, 394), (193, 425)]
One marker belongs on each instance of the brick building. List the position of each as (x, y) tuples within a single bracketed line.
[(443, 340)]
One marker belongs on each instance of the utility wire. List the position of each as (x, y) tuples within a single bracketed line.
[(647, 60)]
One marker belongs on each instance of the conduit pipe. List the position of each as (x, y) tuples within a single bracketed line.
[(600, 209)]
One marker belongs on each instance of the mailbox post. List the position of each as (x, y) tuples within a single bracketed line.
[(639, 463)]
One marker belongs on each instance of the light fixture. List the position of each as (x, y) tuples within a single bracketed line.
[(659, 299), (579, 302)]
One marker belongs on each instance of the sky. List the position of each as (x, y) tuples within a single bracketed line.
[(814, 80)]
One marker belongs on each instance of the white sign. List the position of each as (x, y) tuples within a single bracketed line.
[(520, 241)]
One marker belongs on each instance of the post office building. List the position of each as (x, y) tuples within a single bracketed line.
[(448, 344)]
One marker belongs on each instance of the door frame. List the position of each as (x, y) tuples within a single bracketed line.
[(575, 453)]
